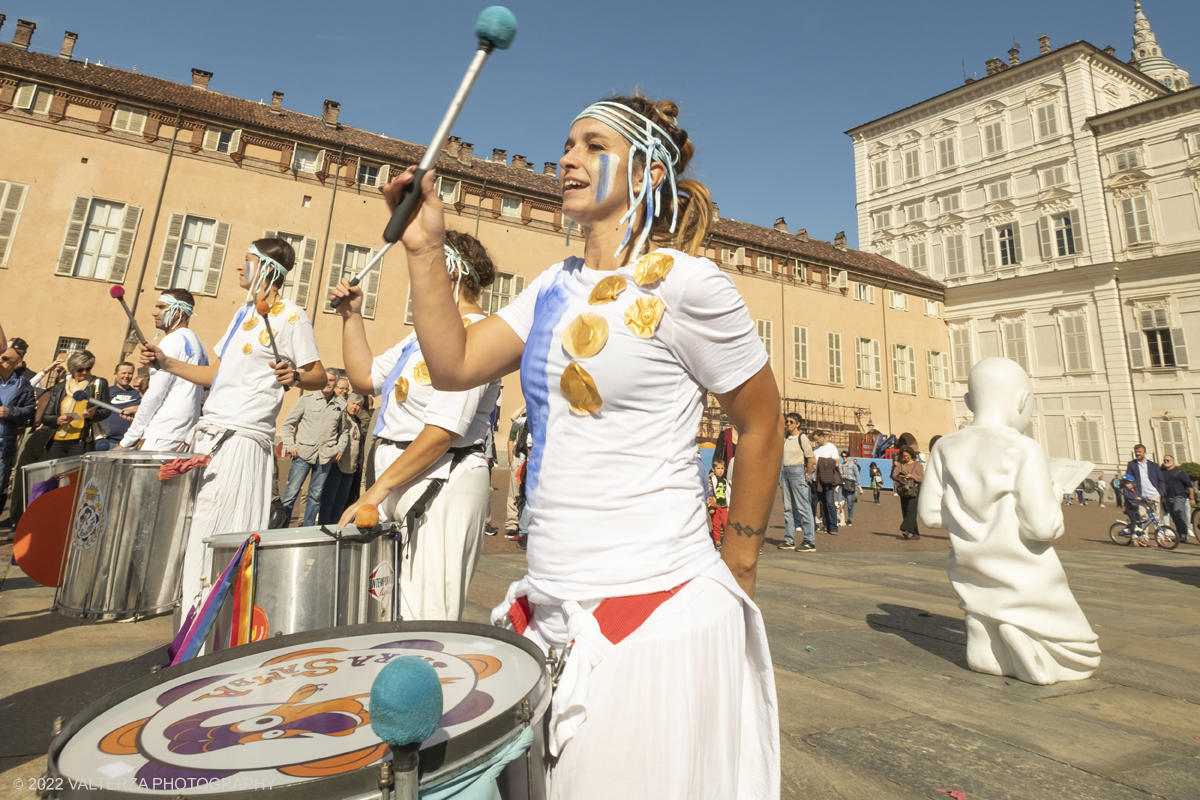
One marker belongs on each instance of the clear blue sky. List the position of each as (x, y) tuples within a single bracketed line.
[(766, 89)]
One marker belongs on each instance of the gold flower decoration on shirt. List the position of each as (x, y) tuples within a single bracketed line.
[(293, 317), (643, 315), (466, 322), (278, 308), (246, 349), (264, 338), (421, 374), (652, 267), (249, 324), (580, 390), (401, 389), (607, 290), (585, 335)]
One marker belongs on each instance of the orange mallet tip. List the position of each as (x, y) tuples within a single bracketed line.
[(366, 517), (262, 307)]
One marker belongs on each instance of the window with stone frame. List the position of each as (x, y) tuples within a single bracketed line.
[(912, 164), (1128, 159), (304, 159), (949, 203), (879, 174), (1156, 345), (1088, 441), (1001, 246), (128, 119), (918, 258), (1047, 121), (1135, 216), (955, 252), (1016, 345), (368, 174), (1057, 175), (33, 97), (1173, 436), (960, 351), (217, 140), (993, 138), (1076, 342), (947, 156), (881, 220)]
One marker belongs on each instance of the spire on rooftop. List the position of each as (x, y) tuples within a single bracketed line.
[(1148, 57)]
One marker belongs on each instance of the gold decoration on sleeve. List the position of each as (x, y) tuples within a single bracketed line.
[(249, 324), (264, 338), (643, 315), (466, 322), (421, 374), (580, 390), (401, 389), (652, 267), (293, 317), (246, 349), (278, 308), (585, 335), (607, 290)]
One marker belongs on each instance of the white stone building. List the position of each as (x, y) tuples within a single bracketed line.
[(1057, 199)]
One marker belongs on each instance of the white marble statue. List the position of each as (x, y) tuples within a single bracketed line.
[(991, 487)]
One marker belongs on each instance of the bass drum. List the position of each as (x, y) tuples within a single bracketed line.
[(292, 715)]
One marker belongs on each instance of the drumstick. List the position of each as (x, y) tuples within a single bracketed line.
[(406, 709), (119, 293), (495, 28), (82, 395), (263, 308)]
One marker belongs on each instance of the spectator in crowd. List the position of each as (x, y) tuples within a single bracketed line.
[(341, 476), (1132, 502), (850, 475), (171, 405), (37, 438), (515, 459), (363, 418), (46, 380), (342, 388), (17, 406), (829, 478), (75, 420), (907, 478), (315, 435), (718, 501), (1101, 489), (1079, 495), (876, 480), (799, 464), (1180, 495), (1147, 479), (122, 395), (22, 347)]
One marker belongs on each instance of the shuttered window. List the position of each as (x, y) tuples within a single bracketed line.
[(128, 119), (833, 341), (1047, 121), (33, 97), (946, 155), (296, 286), (1060, 235), (868, 364), (217, 140), (937, 368), (879, 174), (12, 200), (956, 256), (193, 254), (864, 292), (99, 239), (960, 349), (1158, 346), (1015, 345), (898, 300), (993, 138), (368, 174), (799, 353), (1075, 341), (305, 159), (1087, 438), (1173, 433), (349, 259), (766, 335), (501, 292), (1135, 213), (912, 164), (904, 369)]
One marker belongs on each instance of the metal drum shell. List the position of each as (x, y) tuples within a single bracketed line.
[(132, 569), (305, 580), (438, 763), (54, 468)]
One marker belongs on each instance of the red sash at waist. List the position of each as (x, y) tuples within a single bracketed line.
[(618, 616)]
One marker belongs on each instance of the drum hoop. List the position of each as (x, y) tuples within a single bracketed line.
[(433, 759)]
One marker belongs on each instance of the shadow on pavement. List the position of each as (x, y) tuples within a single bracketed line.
[(30, 625), (29, 715), (1188, 575), (945, 637)]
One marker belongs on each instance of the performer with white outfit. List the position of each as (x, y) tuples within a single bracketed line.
[(237, 426), (667, 689), (429, 441), (172, 405)]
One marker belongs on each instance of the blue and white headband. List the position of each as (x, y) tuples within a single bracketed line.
[(457, 267), (656, 145), (175, 307), (261, 280)]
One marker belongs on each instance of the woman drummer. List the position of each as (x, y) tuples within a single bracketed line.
[(237, 424), (430, 460), (667, 689)]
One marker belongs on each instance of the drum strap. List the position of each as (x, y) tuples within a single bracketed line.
[(618, 616)]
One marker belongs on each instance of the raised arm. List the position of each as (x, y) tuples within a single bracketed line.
[(356, 350), (753, 408), (458, 358)]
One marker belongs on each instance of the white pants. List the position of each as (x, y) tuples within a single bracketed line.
[(440, 556), (234, 496)]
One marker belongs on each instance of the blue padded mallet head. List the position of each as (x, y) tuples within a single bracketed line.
[(498, 25), (406, 702)]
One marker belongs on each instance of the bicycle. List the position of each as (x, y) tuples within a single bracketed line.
[(1121, 534)]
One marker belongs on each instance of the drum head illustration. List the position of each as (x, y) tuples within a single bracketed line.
[(286, 714)]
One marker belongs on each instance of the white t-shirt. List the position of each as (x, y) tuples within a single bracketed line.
[(827, 450), (468, 414), (245, 395), (616, 496), (172, 405)]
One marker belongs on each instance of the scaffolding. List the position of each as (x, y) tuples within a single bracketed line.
[(839, 420)]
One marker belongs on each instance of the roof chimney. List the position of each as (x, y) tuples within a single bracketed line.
[(24, 33), (1014, 56), (716, 213), (200, 79), (969, 81), (520, 162), (1110, 50), (781, 225), (2, 18), (802, 234), (1043, 44), (466, 154), (68, 47), (329, 112), (277, 101), (452, 146), (839, 241), (993, 65), (499, 156), (1133, 62), (550, 168)]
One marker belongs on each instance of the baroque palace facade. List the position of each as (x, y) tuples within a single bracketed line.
[(1057, 199), (113, 177)]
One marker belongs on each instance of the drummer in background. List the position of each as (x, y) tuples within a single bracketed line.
[(237, 424), (428, 436), (617, 350), (172, 405)]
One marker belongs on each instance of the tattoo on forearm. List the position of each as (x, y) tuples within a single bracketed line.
[(746, 530)]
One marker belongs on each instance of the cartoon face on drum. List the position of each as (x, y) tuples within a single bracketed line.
[(304, 714)]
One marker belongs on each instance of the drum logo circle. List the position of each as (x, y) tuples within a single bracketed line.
[(89, 518), (381, 582)]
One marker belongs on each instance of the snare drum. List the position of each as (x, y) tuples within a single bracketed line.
[(292, 714), (306, 579), (128, 532)]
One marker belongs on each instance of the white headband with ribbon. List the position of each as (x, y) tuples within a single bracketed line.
[(175, 307), (261, 280), (457, 267)]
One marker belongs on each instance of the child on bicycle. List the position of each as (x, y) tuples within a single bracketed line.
[(1132, 504)]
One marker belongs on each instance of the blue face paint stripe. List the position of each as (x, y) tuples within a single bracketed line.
[(603, 177), (535, 380), (387, 390)]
